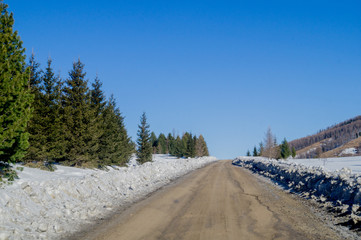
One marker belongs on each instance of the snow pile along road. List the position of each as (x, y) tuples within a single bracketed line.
[(339, 190), (51, 205)]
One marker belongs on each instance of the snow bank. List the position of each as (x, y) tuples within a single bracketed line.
[(341, 188), (50, 205)]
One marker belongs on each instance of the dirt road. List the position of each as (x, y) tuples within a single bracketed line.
[(220, 201)]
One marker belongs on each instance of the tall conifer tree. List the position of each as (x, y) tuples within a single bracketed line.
[(15, 97), (144, 151), (81, 128)]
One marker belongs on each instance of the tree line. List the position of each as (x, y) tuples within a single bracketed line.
[(186, 146), (44, 118), (270, 149)]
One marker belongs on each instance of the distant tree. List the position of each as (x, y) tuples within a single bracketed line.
[(270, 150), (154, 142), (255, 153), (260, 149), (171, 144), (248, 153), (162, 144), (293, 152), (179, 150), (285, 149), (144, 151), (15, 97)]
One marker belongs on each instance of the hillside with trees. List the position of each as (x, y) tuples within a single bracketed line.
[(334, 138)]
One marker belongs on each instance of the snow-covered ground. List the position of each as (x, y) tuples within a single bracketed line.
[(330, 182), (51, 205), (332, 164)]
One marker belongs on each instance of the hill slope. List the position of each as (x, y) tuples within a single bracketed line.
[(333, 141)]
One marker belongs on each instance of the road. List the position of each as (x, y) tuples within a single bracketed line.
[(220, 201)]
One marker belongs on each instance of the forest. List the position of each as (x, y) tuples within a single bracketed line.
[(45, 119)]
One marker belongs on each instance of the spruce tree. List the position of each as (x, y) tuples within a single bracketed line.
[(293, 152), (144, 151), (255, 153), (37, 139), (154, 142), (171, 144), (115, 147), (285, 149), (162, 144), (81, 128), (15, 97), (178, 150)]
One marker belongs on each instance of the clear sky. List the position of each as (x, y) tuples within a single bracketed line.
[(226, 69)]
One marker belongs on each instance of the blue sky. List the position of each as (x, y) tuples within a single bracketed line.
[(224, 69)]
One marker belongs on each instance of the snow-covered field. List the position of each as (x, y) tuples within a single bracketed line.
[(51, 205), (332, 164), (327, 181)]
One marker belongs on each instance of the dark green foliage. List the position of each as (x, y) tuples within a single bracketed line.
[(162, 144), (81, 126), (15, 97), (293, 152), (171, 144), (144, 151), (115, 147), (45, 127), (255, 153), (285, 149), (154, 142), (248, 153)]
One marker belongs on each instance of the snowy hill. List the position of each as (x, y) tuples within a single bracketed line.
[(51, 205)]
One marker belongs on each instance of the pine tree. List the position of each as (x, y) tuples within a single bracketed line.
[(144, 151), (255, 153), (293, 152), (171, 144), (285, 149), (81, 128), (154, 142), (162, 144), (53, 119), (115, 146), (36, 150), (15, 97), (178, 147)]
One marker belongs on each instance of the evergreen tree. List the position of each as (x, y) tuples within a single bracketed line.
[(45, 127), (97, 97), (115, 146), (36, 150), (162, 144), (248, 153), (81, 128), (154, 142), (171, 144), (15, 97), (285, 149), (144, 151), (178, 151), (201, 147), (293, 152), (255, 153)]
